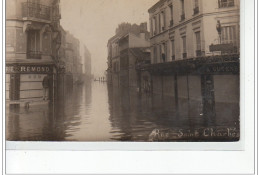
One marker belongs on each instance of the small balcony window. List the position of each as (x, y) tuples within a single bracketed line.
[(226, 3), (173, 57), (183, 17), (196, 11), (184, 55), (171, 23)]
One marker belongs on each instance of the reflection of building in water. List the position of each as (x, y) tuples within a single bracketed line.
[(195, 56), (87, 63), (32, 40)]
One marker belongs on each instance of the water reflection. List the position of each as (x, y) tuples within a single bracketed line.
[(96, 111)]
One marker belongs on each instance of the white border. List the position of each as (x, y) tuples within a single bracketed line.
[(202, 162)]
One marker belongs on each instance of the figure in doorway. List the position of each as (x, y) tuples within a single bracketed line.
[(46, 85)]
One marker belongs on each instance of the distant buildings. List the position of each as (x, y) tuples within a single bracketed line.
[(69, 54), (33, 38), (87, 64)]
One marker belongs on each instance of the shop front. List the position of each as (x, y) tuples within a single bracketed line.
[(24, 82)]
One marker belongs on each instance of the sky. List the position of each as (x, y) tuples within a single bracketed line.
[(93, 22)]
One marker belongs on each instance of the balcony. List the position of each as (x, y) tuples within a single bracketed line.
[(196, 11), (183, 17), (171, 23), (226, 3), (34, 55), (36, 11)]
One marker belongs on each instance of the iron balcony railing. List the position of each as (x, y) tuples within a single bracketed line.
[(34, 54), (34, 10)]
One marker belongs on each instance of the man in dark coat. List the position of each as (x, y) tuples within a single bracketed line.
[(45, 85)]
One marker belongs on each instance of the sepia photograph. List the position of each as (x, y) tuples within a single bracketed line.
[(122, 70)]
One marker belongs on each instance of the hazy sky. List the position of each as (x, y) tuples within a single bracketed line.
[(93, 22)]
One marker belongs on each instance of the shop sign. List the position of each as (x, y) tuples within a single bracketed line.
[(28, 69), (223, 68)]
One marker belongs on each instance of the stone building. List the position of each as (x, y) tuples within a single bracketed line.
[(195, 56), (122, 53), (74, 66), (33, 38)]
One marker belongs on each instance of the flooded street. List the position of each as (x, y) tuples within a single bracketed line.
[(96, 111)]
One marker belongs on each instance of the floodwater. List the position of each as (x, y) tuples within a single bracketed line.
[(96, 111)]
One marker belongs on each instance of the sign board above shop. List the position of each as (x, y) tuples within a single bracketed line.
[(29, 69)]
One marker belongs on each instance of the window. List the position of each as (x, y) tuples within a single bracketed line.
[(184, 51), (162, 21), (163, 52), (226, 3), (33, 45), (228, 35), (198, 44), (171, 11), (182, 10), (173, 50), (196, 7)]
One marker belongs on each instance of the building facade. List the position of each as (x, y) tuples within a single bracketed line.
[(195, 57), (33, 38), (122, 53), (74, 66), (184, 29)]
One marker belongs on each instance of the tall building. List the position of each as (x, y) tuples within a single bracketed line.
[(33, 38), (73, 60), (182, 29), (195, 56)]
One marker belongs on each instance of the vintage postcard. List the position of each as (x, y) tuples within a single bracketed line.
[(122, 70)]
